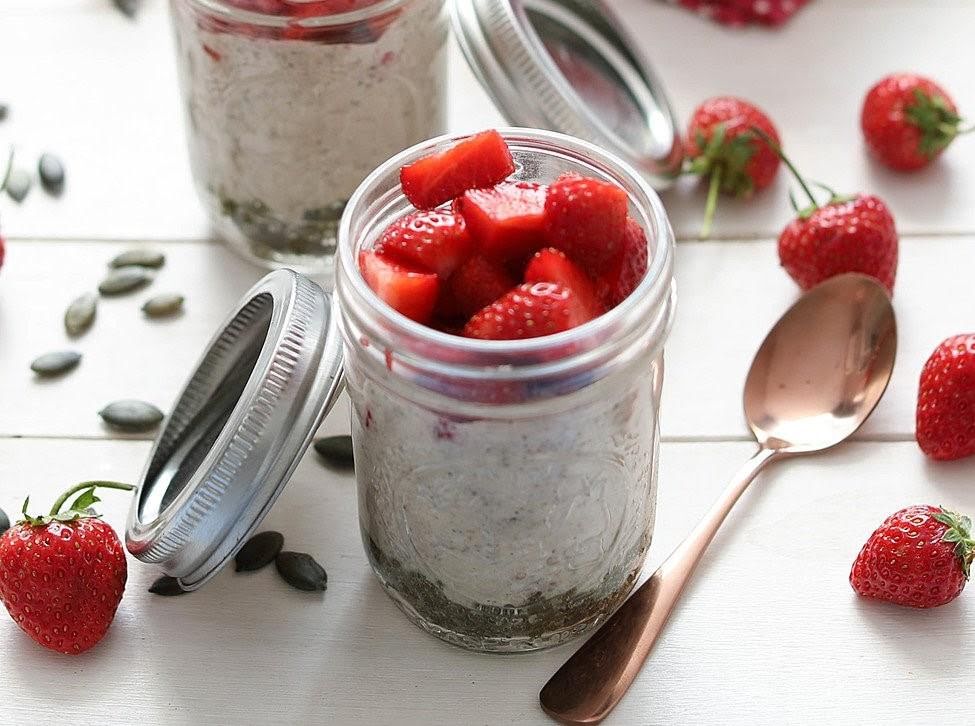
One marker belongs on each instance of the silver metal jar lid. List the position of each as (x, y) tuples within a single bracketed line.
[(238, 429), (569, 66)]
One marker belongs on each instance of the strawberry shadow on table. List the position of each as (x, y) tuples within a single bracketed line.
[(926, 193)]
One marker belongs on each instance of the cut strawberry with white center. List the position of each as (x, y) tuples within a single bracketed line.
[(434, 240), (477, 283), (478, 161), (507, 221), (627, 270), (551, 265), (586, 218), (529, 311), (412, 293)]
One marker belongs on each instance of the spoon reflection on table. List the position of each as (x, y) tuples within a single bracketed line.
[(815, 379)]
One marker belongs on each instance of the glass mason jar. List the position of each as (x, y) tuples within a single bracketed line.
[(506, 488), (291, 103)]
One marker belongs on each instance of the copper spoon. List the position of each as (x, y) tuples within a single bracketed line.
[(815, 379)]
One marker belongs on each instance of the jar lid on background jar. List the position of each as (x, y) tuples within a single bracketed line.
[(569, 66), (238, 429)]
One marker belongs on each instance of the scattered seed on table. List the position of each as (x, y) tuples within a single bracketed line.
[(123, 280), (336, 451), (18, 184), (162, 306), (128, 8), (81, 314), (4, 522), (138, 257), (55, 364), (131, 415), (51, 171), (260, 551), (301, 571), (167, 586)]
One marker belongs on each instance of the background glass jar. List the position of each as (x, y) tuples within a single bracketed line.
[(506, 488), (291, 103)]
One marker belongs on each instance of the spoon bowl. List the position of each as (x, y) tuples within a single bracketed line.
[(824, 366), (815, 379)]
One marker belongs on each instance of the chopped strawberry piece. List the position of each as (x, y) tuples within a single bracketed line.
[(627, 270), (551, 265), (435, 240), (586, 218), (529, 311), (506, 220), (412, 293), (476, 284), (481, 160)]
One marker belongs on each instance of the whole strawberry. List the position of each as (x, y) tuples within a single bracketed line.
[(62, 575), (908, 120), (919, 557), (722, 145), (946, 400), (846, 234)]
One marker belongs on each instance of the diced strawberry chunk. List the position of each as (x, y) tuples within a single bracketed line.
[(586, 218), (507, 220), (476, 284), (481, 160), (551, 265), (434, 240), (412, 293), (627, 270), (529, 311)]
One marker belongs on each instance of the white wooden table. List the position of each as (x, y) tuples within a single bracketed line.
[(769, 633)]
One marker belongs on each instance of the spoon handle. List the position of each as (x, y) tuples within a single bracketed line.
[(587, 687)]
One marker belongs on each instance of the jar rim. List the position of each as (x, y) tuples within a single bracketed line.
[(221, 9), (652, 292)]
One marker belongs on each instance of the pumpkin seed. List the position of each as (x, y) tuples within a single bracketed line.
[(139, 257), (131, 415), (301, 571), (18, 184), (55, 364), (123, 280), (4, 522), (260, 551), (51, 171), (162, 306), (81, 314), (336, 451), (167, 586)]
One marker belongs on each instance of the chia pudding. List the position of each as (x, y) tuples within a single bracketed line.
[(506, 448), (289, 105)]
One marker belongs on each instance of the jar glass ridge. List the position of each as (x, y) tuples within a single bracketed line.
[(506, 488)]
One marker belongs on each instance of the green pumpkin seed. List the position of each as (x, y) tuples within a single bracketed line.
[(4, 522), (167, 586), (51, 171), (123, 280), (139, 257), (301, 571), (163, 306), (81, 314), (130, 415), (18, 184), (336, 451), (260, 551), (55, 364)]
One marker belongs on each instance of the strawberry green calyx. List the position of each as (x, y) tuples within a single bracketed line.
[(960, 532), (80, 508), (939, 125), (727, 156)]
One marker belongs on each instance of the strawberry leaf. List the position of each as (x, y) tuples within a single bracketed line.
[(85, 500)]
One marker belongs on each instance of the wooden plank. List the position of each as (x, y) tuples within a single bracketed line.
[(769, 632)]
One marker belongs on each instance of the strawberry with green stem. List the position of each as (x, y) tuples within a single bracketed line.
[(62, 574), (723, 146), (854, 233)]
